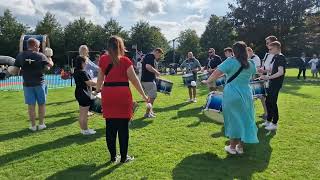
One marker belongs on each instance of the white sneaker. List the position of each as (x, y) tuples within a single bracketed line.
[(33, 128), (194, 100), (41, 127), (190, 100), (229, 150), (266, 123), (239, 150), (271, 127), (88, 132)]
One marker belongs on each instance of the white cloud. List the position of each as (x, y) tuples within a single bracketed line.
[(112, 6), (171, 16), (171, 29), (147, 8), (199, 5)]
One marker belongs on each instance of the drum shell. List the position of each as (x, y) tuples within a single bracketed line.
[(258, 88), (213, 107), (164, 86), (44, 42), (187, 78)]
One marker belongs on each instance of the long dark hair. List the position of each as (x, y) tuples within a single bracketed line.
[(78, 63), (115, 49), (240, 52)]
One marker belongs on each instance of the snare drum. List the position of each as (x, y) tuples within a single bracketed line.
[(221, 81), (164, 86), (258, 88), (203, 76), (187, 78), (255, 77), (96, 105), (213, 107)]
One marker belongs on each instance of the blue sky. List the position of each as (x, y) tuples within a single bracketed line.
[(172, 16)]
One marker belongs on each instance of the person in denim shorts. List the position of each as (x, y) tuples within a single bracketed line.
[(33, 65)]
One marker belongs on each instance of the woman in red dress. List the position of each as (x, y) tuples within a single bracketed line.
[(115, 72)]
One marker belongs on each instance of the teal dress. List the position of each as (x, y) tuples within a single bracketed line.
[(237, 104)]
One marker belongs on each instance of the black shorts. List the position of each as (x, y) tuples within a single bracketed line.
[(83, 100)]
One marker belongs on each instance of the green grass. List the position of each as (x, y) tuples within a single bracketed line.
[(180, 143)]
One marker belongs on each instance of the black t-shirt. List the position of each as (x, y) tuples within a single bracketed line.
[(32, 65), (213, 62), (148, 76), (278, 60), (80, 78)]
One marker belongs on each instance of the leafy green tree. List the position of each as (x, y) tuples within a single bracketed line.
[(10, 33), (147, 37), (219, 34), (189, 41), (256, 19), (51, 27)]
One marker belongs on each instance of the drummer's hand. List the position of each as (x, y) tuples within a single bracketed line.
[(264, 77), (94, 93), (157, 74), (260, 70)]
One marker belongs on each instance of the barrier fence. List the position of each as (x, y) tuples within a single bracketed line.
[(15, 83)]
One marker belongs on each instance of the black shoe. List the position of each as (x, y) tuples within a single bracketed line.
[(129, 158)]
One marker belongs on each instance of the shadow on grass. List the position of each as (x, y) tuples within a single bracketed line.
[(26, 131), (61, 102), (210, 166), (59, 143), (140, 123), (171, 108), (84, 172), (195, 112)]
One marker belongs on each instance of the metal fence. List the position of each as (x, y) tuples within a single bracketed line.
[(15, 83)]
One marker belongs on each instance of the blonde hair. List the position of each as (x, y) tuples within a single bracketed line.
[(84, 51), (116, 49), (48, 52)]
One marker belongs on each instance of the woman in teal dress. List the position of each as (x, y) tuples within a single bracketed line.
[(237, 104)]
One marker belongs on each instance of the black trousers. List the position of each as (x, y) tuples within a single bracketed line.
[(303, 71), (271, 103), (120, 127)]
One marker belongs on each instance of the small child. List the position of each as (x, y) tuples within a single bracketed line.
[(314, 62)]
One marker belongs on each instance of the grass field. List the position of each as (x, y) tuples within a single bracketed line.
[(181, 143)]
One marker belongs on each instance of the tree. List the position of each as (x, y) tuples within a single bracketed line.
[(189, 41), (256, 19), (78, 33), (168, 57), (50, 26), (10, 33), (219, 34), (147, 37), (112, 27)]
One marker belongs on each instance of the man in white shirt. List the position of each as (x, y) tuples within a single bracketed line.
[(254, 57), (268, 57), (267, 67), (314, 62)]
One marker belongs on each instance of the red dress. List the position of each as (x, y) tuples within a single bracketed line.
[(116, 101)]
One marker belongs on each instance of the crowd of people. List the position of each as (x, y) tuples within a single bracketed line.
[(112, 71)]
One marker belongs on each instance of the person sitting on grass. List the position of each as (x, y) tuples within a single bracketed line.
[(83, 94)]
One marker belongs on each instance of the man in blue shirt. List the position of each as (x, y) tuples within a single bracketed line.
[(192, 66)]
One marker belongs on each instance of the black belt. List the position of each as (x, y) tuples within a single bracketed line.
[(115, 84)]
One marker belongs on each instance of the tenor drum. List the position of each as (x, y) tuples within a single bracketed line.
[(164, 86), (221, 81), (187, 79), (213, 107), (258, 88), (203, 76)]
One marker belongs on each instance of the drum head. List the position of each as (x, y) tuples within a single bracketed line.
[(214, 115)]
